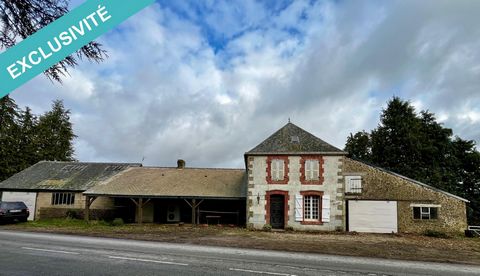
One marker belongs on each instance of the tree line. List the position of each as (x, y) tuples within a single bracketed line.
[(26, 138), (418, 146)]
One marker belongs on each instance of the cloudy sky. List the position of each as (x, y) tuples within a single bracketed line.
[(208, 80)]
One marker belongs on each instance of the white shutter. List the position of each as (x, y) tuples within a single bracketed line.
[(298, 208), (316, 170), (308, 169), (326, 208), (281, 169), (353, 184), (274, 169)]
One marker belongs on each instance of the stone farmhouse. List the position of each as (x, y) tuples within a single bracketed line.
[(292, 180)]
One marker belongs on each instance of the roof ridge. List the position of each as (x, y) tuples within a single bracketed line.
[(88, 162), (282, 141), (192, 168)]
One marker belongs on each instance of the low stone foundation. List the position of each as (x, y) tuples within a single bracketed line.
[(95, 214)]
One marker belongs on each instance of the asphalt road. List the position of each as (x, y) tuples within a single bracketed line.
[(51, 254)]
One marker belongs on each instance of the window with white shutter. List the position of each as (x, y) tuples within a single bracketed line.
[(353, 184), (311, 205), (298, 208), (312, 169), (278, 169), (325, 208)]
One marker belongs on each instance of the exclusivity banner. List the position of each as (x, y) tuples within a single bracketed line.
[(61, 38)]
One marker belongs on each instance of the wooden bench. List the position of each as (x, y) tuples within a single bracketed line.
[(213, 217)]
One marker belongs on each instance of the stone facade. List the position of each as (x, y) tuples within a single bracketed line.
[(378, 184), (259, 190), (45, 209)]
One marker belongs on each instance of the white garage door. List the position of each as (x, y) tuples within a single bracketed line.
[(372, 216), (29, 199)]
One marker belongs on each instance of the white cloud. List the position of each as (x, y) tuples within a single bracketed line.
[(209, 86)]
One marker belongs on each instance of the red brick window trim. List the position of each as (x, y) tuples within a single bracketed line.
[(304, 170), (271, 179), (309, 203), (285, 204)]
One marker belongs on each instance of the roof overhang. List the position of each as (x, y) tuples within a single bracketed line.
[(165, 196), (297, 153)]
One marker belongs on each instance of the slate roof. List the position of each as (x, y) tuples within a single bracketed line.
[(293, 139), (175, 183), (63, 176)]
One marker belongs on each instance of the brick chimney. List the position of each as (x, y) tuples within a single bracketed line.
[(180, 164)]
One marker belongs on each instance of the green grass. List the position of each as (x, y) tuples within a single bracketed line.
[(66, 223)]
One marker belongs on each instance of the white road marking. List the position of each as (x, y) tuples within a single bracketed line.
[(50, 250), (260, 272), (145, 260)]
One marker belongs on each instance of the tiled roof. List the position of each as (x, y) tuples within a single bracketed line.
[(293, 139), (173, 182), (68, 176)]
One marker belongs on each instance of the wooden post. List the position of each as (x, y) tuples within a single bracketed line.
[(194, 206), (193, 211), (140, 210), (88, 202), (86, 216)]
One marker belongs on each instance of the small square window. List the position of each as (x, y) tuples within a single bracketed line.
[(353, 184), (425, 213)]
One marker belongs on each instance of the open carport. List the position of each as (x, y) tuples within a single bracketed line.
[(173, 195)]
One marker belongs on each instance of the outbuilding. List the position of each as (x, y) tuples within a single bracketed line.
[(51, 189)]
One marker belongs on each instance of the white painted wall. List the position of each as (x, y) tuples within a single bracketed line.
[(29, 198), (372, 216), (332, 167)]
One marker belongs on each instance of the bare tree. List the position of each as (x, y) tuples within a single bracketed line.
[(21, 18)]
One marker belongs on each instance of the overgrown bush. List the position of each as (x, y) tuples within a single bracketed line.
[(117, 222), (267, 227), (435, 234), (73, 214), (289, 228)]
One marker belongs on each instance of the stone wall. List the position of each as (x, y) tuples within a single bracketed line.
[(44, 201), (381, 185), (95, 214), (257, 190)]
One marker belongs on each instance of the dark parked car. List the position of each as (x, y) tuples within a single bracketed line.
[(11, 211)]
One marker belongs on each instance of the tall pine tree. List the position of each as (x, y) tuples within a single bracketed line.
[(9, 134), (55, 134), (417, 146), (25, 139)]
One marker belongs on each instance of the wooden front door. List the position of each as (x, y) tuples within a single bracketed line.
[(277, 211)]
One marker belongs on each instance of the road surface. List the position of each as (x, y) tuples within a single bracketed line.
[(52, 254)]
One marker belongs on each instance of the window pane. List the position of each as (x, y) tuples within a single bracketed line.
[(416, 212), (433, 213), (311, 207)]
